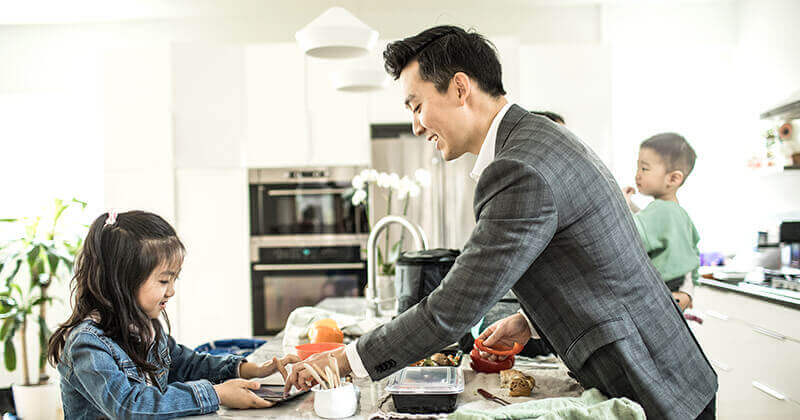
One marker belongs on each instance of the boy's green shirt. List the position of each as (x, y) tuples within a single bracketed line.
[(670, 239)]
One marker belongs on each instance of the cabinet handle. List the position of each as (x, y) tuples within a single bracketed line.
[(773, 334), (717, 315), (769, 391), (720, 365)]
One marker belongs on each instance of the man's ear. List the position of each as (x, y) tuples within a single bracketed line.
[(463, 86), (675, 178)]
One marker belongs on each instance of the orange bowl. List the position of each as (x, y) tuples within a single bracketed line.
[(305, 350)]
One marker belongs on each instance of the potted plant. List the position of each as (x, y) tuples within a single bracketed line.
[(397, 191), (38, 254)]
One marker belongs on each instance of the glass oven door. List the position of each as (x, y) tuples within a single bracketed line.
[(308, 208), (278, 289)]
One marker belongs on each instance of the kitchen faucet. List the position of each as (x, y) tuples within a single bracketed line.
[(374, 300)]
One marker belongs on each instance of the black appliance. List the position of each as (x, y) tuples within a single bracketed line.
[(418, 273)]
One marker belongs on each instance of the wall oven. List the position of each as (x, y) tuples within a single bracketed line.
[(306, 243)]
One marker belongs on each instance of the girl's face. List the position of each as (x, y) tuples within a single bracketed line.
[(157, 290)]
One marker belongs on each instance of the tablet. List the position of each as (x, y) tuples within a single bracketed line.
[(274, 393)]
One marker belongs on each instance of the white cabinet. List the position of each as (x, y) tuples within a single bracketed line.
[(288, 96), (276, 132), (742, 355), (208, 86), (213, 293)]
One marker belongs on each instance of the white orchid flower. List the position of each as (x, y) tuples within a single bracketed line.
[(415, 190), (423, 177), (384, 180), (394, 181), (369, 175), (404, 187), (358, 182), (358, 197)]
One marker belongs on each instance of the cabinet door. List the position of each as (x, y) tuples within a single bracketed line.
[(742, 355), (276, 130)]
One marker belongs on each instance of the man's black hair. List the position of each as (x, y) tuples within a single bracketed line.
[(442, 51)]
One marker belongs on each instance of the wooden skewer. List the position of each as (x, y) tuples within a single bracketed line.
[(335, 366), (331, 380), (315, 375)]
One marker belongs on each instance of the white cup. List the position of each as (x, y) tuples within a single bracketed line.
[(335, 403)]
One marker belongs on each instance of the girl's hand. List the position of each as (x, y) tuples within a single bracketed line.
[(251, 370), (236, 393)]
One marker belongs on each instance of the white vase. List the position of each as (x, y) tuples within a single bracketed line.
[(34, 402), (388, 294)]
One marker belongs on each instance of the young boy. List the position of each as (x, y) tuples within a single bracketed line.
[(669, 236)]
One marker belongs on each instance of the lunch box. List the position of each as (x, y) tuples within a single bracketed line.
[(424, 390)]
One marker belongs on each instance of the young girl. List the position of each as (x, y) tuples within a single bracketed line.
[(114, 357)]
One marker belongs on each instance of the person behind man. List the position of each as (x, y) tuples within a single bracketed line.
[(669, 236), (558, 119), (552, 225)]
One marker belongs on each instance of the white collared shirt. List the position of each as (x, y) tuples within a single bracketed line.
[(485, 157)]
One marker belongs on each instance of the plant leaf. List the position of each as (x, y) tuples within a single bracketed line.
[(44, 337), (8, 220), (39, 300), (10, 355), (395, 252), (8, 329)]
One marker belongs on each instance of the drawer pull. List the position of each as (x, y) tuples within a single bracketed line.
[(720, 365), (769, 391), (717, 315), (773, 334)]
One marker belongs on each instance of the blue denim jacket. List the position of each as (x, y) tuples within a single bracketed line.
[(99, 380)]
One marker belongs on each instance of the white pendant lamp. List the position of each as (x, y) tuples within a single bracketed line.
[(359, 80), (336, 34)]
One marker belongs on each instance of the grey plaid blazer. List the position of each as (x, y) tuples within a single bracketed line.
[(552, 225)]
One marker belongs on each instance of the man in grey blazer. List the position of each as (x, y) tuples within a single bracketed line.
[(553, 226)]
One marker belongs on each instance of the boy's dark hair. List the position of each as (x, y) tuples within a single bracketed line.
[(674, 150), (442, 51), (114, 262), (551, 115)]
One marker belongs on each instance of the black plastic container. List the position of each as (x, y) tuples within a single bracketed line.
[(425, 390)]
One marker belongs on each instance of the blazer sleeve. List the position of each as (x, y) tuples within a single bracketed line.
[(516, 219)]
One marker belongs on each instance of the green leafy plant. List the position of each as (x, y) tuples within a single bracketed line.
[(36, 256)]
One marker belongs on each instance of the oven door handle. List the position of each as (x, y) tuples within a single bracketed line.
[(307, 191), (308, 267)]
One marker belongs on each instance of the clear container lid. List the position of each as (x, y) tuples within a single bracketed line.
[(427, 380)]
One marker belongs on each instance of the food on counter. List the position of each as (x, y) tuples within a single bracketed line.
[(306, 350), (440, 359), (480, 364), (425, 390), (325, 331), (518, 383)]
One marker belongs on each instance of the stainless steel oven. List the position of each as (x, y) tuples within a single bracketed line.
[(304, 201), (306, 243)]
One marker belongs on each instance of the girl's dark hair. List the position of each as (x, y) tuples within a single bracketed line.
[(441, 52), (114, 262)]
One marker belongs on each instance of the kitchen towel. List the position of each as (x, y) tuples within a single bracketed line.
[(591, 405)]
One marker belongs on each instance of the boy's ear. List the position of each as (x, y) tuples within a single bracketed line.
[(675, 178)]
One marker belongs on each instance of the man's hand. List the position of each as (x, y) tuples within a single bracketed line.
[(236, 393), (302, 378), (251, 370), (504, 333), (684, 300)]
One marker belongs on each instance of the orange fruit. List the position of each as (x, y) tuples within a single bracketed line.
[(327, 322), (324, 334)]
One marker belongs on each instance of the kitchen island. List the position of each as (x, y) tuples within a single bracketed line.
[(550, 375)]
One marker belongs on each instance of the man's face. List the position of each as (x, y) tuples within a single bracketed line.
[(439, 117)]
